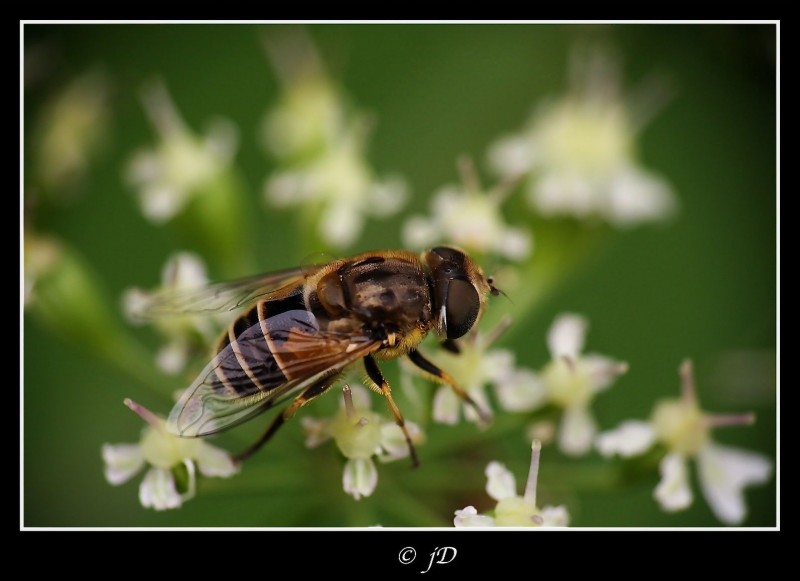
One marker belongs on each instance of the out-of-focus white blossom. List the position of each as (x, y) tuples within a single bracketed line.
[(513, 510), (181, 164), (184, 333), (319, 143), (570, 381), (72, 129), (360, 434), (311, 113), (469, 217), (340, 187), (578, 153), (685, 430), (165, 454)]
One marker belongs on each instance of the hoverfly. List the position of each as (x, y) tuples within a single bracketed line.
[(303, 327)]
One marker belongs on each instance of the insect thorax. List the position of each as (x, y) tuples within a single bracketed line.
[(387, 295)]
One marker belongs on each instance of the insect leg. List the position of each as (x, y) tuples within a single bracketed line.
[(306, 396), (377, 377), (452, 346), (444, 377)]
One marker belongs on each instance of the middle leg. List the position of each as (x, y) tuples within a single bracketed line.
[(377, 377)]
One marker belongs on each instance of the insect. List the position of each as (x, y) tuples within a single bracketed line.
[(303, 327)]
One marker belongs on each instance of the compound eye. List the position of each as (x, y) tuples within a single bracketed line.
[(462, 307), (449, 254)]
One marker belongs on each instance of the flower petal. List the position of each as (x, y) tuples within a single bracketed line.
[(121, 462), (469, 517), (566, 336), (637, 196), (419, 232), (554, 516), (494, 364), (184, 270), (393, 442), (511, 155), (285, 189), (478, 395), (500, 481), (446, 406), (576, 431), (514, 243), (160, 203), (158, 490), (724, 472), (628, 439), (673, 492), (522, 391), (171, 357), (563, 193), (602, 370), (213, 461), (316, 430), (388, 196), (360, 477), (341, 224)]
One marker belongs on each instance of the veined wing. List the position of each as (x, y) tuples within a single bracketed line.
[(267, 363), (223, 296)]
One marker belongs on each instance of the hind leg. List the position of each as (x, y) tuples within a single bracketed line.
[(306, 396)]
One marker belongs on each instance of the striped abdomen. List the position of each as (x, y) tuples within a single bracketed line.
[(251, 355)]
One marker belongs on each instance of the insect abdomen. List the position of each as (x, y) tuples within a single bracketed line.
[(244, 356)]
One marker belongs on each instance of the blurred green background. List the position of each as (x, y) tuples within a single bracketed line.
[(702, 286)]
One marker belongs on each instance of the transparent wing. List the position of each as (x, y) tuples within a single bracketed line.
[(222, 296), (254, 373)]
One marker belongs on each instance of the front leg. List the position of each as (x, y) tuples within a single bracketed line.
[(443, 377)]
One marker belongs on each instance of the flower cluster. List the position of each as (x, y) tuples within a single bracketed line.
[(73, 130), (513, 510), (469, 217), (577, 154), (685, 431), (570, 381), (360, 434), (320, 148), (183, 271), (170, 174), (475, 366), (168, 456)]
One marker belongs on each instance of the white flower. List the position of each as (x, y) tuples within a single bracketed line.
[(473, 368), (360, 434), (72, 130), (469, 217), (319, 143), (340, 187), (630, 438), (182, 271), (513, 510), (685, 430), (166, 454), (311, 113), (570, 381), (578, 153), (167, 176)]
